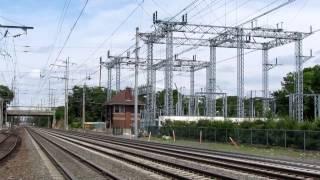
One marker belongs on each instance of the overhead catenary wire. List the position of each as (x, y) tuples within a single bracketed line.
[(64, 43)]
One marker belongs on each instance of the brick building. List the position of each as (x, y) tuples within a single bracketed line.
[(119, 111)]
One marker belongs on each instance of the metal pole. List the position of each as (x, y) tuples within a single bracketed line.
[(240, 75), (83, 105), (299, 80), (100, 67), (304, 140), (251, 136), (265, 79), (191, 99), (318, 106), (109, 83), (285, 138), (136, 85), (1, 113), (150, 83), (118, 76), (66, 109), (251, 105), (225, 106), (168, 100)]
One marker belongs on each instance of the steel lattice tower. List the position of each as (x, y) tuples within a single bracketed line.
[(168, 101), (299, 80), (240, 74), (211, 85), (150, 85), (109, 91), (191, 99), (117, 76), (265, 79)]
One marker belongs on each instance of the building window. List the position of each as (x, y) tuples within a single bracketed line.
[(116, 109), (122, 109)]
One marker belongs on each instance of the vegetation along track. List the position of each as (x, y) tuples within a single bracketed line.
[(8, 143), (273, 168)]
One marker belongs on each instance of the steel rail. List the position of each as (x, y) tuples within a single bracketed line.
[(12, 146), (65, 173), (160, 161), (155, 149)]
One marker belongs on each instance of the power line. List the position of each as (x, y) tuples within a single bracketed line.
[(112, 34), (66, 40)]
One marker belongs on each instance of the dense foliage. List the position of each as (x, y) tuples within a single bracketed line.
[(284, 123), (6, 93), (311, 85), (94, 98)]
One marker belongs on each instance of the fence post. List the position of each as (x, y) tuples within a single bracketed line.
[(267, 137), (226, 135), (304, 140), (238, 134), (285, 138), (251, 136)]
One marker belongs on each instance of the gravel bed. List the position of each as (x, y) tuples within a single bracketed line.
[(25, 162), (217, 170), (74, 167), (7, 145), (120, 168), (2, 137)]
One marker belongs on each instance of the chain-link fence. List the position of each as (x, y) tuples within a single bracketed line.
[(306, 140)]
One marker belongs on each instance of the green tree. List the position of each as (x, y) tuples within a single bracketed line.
[(311, 79), (94, 99), (6, 93)]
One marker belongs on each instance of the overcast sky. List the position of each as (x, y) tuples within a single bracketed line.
[(110, 24)]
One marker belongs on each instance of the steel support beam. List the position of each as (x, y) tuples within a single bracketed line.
[(191, 99), (211, 86), (240, 75), (299, 81), (1, 112), (265, 80), (318, 107), (225, 106), (117, 66), (291, 106), (150, 89), (109, 91), (168, 101)]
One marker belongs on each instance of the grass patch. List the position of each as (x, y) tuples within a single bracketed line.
[(273, 152)]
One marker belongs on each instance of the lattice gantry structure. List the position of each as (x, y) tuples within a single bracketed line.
[(174, 34), (293, 105), (241, 38)]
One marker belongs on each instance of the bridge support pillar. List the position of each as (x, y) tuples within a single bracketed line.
[(1, 113), (54, 119)]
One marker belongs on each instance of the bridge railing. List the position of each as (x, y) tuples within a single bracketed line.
[(31, 108)]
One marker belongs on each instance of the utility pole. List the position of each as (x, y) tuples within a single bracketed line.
[(83, 105), (100, 66), (84, 102), (49, 102), (66, 98), (136, 85)]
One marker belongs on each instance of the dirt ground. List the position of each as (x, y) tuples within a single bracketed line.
[(24, 163)]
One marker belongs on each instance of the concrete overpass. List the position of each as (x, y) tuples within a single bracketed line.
[(23, 111), (29, 113)]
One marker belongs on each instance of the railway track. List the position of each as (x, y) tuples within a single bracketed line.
[(8, 142), (271, 168), (167, 167), (69, 164)]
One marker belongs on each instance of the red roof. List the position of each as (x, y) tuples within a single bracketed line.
[(124, 97)]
